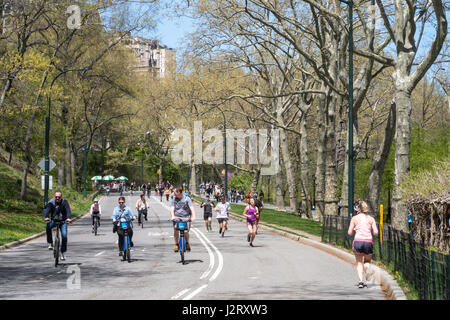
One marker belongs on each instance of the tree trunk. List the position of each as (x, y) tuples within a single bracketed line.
[(402, 152), (256, 176), (331, 199), (193, 179), (279, 200), (320, 164), (379, 163), (69, 169), (304, 168), (290, 176), (61, 172)]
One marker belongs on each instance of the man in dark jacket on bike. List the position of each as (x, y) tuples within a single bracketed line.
[(57, 208)]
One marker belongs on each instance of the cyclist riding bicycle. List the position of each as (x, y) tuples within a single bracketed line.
[(142, 206), (57, 209), (181, 207), (123, 213), (96, 212)]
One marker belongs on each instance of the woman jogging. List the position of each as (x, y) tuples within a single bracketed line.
[(222, 209), (364, 226), (251, 213)]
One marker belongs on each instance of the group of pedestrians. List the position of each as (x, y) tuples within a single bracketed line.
[(222, 213), (252, 213), (361, 225)]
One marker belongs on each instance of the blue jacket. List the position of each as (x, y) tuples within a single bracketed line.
[(127, 214), (61, 210)]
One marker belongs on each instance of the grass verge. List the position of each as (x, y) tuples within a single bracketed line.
[(280, 218), (21, 219)]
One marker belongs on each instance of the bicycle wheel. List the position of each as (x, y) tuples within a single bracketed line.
[(95, 225), (56, 249), (142, 220), (182, 247), (128, 249), (124, 248)]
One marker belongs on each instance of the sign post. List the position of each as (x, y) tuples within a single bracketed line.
[(381, 223)]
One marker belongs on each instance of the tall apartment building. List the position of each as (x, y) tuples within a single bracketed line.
[(151, 56)]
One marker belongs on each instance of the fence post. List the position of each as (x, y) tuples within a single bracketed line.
[(389, 244), (413, 261), (324, 225), (424, 272), (380, 245), (447, 290), (394, 234), (336, 229), (331, 228), (433, 274)]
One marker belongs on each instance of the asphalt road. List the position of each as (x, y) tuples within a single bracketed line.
[(217, 268)]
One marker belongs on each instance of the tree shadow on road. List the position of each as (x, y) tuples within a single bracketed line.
[(191, 261)]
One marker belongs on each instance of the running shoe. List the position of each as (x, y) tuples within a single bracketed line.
[(175, 248), (361, 285), (188, 247)]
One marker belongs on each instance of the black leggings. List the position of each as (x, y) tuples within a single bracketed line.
[(98, 216)]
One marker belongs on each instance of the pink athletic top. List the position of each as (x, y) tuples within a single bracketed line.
[(363, 230)]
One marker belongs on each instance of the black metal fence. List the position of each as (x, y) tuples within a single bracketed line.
[(425, 270)]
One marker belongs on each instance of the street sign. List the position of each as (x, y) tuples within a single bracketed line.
[(41, 164), (50, 182)]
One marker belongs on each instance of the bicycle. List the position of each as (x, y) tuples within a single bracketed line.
[(95, 224), (141, 218), (182, 226), (126, 241), (57, 242)]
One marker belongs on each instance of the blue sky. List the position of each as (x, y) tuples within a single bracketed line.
[(170, 28)]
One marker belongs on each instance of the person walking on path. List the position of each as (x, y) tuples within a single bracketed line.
[(251, 212), (222, 209), (207, 206), (364, 226)]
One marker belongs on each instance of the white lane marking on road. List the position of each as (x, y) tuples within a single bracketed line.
[(219, 254), (211, 256), (179, 294), (195, 292), (100, 253), (157, 234)]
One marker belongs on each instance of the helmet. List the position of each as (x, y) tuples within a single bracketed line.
[(95, 200)]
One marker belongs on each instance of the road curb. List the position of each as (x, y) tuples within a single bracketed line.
[(373, 272), (35, 236)]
